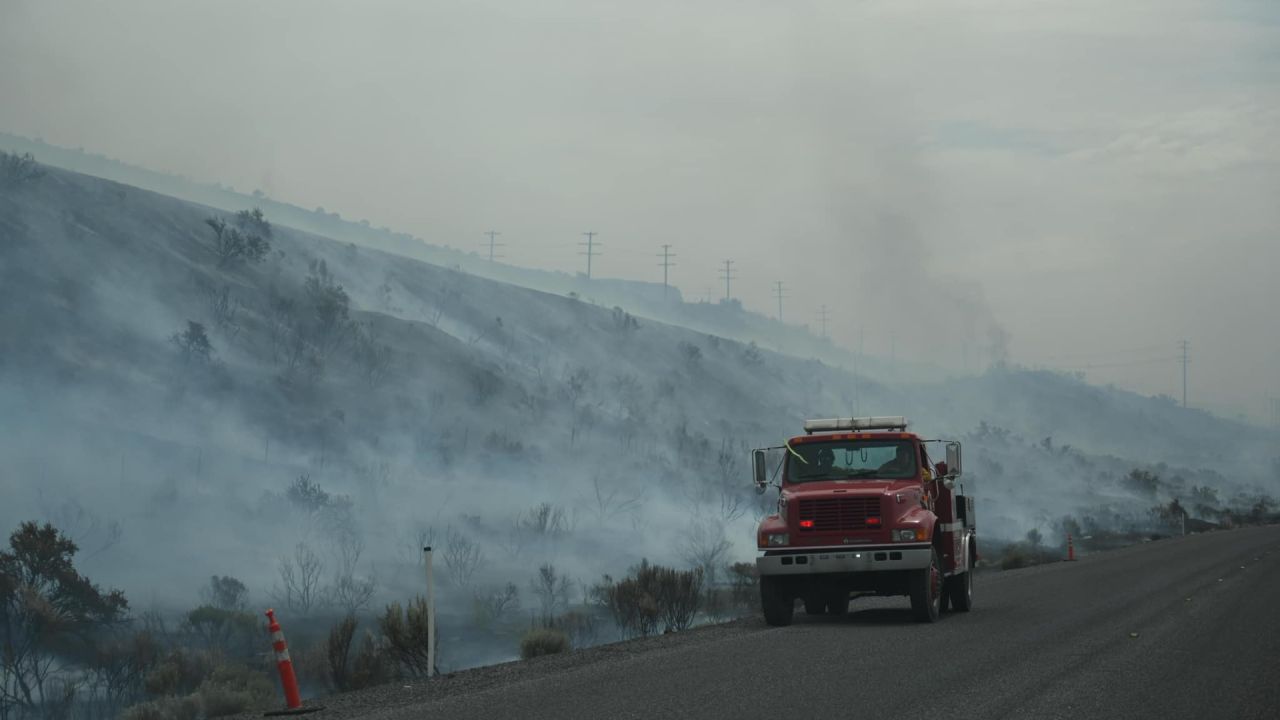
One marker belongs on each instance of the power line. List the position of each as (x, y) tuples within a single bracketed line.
[(727, 274), (778, 292), (1185, 346), (492, 235), (823, 316), (1125, 363), (591, 252), (666, 265)]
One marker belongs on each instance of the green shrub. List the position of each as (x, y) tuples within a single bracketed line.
[(1015, 556), (170, 708), (651, 595), (232, 689), (407, 635), (543, 641)]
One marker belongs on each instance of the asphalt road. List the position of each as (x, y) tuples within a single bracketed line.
[(1181, 628)]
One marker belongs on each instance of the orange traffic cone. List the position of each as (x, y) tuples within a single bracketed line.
[(288, 680), (1071, 548)]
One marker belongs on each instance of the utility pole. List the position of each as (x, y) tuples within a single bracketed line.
[(666, 266), (591, 252), (492, 236), (1185, 346), (777, 291), (822, 319), (727, 275)]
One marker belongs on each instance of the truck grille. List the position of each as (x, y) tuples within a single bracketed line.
[(835, 514)]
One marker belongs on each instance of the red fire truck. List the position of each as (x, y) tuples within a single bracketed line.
[(862, 510)]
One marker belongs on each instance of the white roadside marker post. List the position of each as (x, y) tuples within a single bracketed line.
[(431, 615)]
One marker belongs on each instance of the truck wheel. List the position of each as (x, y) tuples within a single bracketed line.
[(926, 590), (838, 603), (777, 605), (960, 591), (814, 605)]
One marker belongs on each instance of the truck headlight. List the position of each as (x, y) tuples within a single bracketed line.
[(776, 539), (910, 535)]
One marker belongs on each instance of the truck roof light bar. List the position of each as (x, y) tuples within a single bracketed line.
[(863, 423)]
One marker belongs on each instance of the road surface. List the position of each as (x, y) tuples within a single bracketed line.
[(1180, 628)]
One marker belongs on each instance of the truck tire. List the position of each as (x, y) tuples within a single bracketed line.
[(960, 591), (926, 590), (778, 607), (838, 603), (814, 605)]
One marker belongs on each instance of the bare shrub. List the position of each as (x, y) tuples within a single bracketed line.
[(705, 547), (543, 641), (350, 592), (744, 583), (609, 503), (407, 636), (462, 557), (224, 308), (300, 576), (543, 519), (491, 606), (552, 589)]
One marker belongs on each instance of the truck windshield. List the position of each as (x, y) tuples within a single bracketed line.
[(851, 460)]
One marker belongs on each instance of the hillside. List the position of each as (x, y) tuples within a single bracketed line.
[(360, 402)]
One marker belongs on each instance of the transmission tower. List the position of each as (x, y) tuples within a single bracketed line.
[(1185, 346), (823, 316), (591, 251), (666, 266), (727, 275), (778, 293), (492, 244)]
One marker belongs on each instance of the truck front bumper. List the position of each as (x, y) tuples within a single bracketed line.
[(815, 561)]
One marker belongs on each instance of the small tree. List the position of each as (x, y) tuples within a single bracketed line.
[(18, 169), (254, 223), (48, 614), (193, 344), (232, 245), (225, 593)]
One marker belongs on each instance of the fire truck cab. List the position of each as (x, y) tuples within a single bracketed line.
[(861, 510)]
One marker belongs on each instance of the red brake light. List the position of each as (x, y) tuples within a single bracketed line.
[(871, 522), (806, 524)]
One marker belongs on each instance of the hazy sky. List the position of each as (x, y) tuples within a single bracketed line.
[(1100, 179)]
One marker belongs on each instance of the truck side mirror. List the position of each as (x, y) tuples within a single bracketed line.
[(760, 470), (953, 460)]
